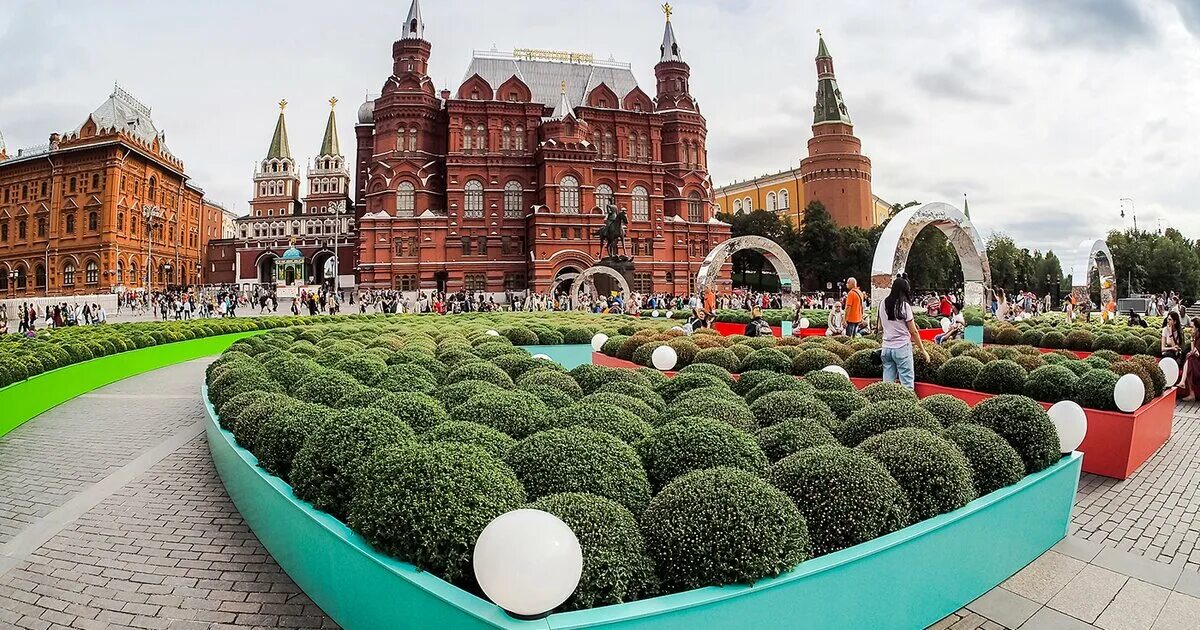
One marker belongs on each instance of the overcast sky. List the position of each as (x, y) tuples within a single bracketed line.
[(1046, 112)]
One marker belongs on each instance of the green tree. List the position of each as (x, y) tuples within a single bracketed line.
[(1003, 257), (817, 247)]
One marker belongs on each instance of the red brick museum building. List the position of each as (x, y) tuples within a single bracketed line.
[(501, 184)]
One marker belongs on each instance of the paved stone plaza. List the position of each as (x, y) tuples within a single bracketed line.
[(112, 516)]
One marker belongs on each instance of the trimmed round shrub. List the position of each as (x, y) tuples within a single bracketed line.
[(830, 381), (479, 371), (934, 474), (613, 344), (516, 413), (243, 415), (749, 380), (712, 370), (419, 411), (722, 526), (1107, 341), (628, 403), (616, 568), (792, 435), (846, 497), (1001, 377), (520, 336), (1032, 337), (1029, 362), (696, 443), (814, 359), (687, 382), (643, 354), (1157, 378), (428, 503), (960, 372), (640, 392), (842, 404), (1121, 368), (359, 398), (238, 380), (553, 397), (982, 355), (881, 391), (710, 403), (1079, 339), (455, 395), (1025, 425), (327, 387), (1053, 340), (591, 377), (1078, 367), (779, 383), (1132, 345), (284, 431), (883, 416), (862, 364), (559, 380), (720, 357), (1050, 383), (494, 442), (611, 419), (1008, 336), (1094, 390), (652, 377), (767, 359), (1100, 360), (514, 365), (579, 459), (326, 467), (776, 407), (946, 408), (994, 463), (364, 367), (407, 377)]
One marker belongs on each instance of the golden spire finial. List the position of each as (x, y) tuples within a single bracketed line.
[(283, 105), (332, 102), (666, 8), (563, 87)]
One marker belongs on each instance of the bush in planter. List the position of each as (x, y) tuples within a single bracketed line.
[(926, 371), (1094, 390), (327, 464), (1150, 364), (628, 403), (431, 364), (359, 398), (1051, 383), (1078, 367), (517, 364), (862, 364), (1132, 345), (1054, 340), (994, 463), (616, 568), (1001, 377), (238, 380), (494, 442), (554, 398), (1029, 362), (778, 406), (547, 337), (846, 497), (288, 368), (934, 474), (428, 503), (881, 391), (579, 459), (640, 392), (407, 377), (242, 415), (711, 370), (1008, 336), (691, 444), (767, 359), (611, 346), (720, 357), (454, 395), (520, 336), (1079, 339), (516, 413), (282, 433), (419, 411), (792, 435), (946, 408), (829, 381), (843, 404), (615, 421), (983, 356), (364, 367), (1025, 425), (685, 350), (863, 343), (327, 387), (747, 381), (722, 526), (1121, 368), (883, 416), (687, 382), (1032, 337), (591, 377), (1107, 341), (1105, 355), (813, 359), (644, 353), (479, 371), (960, 372), (558, 380)]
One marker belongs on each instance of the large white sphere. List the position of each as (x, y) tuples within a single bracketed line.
[(654, 314), (1129, 393), (528, 561), (664, 358), (544, 357), (836, 369), (493, 333), (803, 323), (670, 314), (945, 324), (1070, 422), (598, 341), (1170, 370)]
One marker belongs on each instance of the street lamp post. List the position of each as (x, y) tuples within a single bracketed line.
[(338, 208), (150, 212)]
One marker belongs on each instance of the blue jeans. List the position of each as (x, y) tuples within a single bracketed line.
[(898, 364)]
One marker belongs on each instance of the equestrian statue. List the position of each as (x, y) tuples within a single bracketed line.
[(612, 233)]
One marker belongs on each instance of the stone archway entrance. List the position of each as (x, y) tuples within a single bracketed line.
[(710, 269), (586, 278), (567, 275), (266, 268), (1093, 255), (891, 255), (316, 270)]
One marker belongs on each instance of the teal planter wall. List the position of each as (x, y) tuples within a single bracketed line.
[(569, 356), (907, 579), (974, 334)]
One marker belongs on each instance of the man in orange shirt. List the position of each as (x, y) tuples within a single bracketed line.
[(854, 307)]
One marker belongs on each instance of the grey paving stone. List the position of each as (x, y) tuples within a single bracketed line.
[(1043, 578), (1144, 569), (1135, 607), (1078, 548), (1004, 607), (1089, 593), (1050, 619), (1189, 583), (1181, 612)]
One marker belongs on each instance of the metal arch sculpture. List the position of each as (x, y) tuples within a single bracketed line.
[(1093, 254), (561, 278), (710, 269), (585, 279), (891, 255)]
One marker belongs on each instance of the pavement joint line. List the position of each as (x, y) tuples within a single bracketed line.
[(38, 533), (137, 396)]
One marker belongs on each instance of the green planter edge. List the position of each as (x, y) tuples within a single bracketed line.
[(24, 400), (907, 579)]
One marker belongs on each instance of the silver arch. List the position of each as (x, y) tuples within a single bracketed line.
[(1093, 254), (585, 279), (561, 278), (891, 255), (710, 269)]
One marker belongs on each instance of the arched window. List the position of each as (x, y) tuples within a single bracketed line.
[(695, 207), (642, 147), (641, 204), (473, 200), (120, 221), (608, 137), (406, 201), (783, 199), (39, 276), (91, 272), (771, 202), (466, 143), (568, 195), (22, 277), (71, 223), (120, 272), (514, 200), (412, 139), (95, 181), (749, 203), (631, 146), (69, 274), (737, 206), (41, 227), (93, 221), (505, 138), (133, 272), (604, 196), (480, 138), (71, 186), (153, 189), (519, 139)]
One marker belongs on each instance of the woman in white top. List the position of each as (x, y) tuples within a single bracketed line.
[(899, 335)]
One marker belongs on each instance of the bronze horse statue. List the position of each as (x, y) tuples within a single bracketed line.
[(612, 233)]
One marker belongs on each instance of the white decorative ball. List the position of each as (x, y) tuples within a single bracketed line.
[(493, 333), (1129, 393), (1070, 422), (1170, 370), (945, 324), (679, 328), (598, 341), (664, 358), (836, 369), (654, 314), (803, 323), (544, 357), (670, 314), (528, 561)]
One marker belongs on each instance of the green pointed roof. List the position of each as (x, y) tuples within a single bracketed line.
[(330, 145), (829, 107), (279, 142), (822, 51)]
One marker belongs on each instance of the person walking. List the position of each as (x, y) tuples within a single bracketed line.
[(854, 308), (899, 335)]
